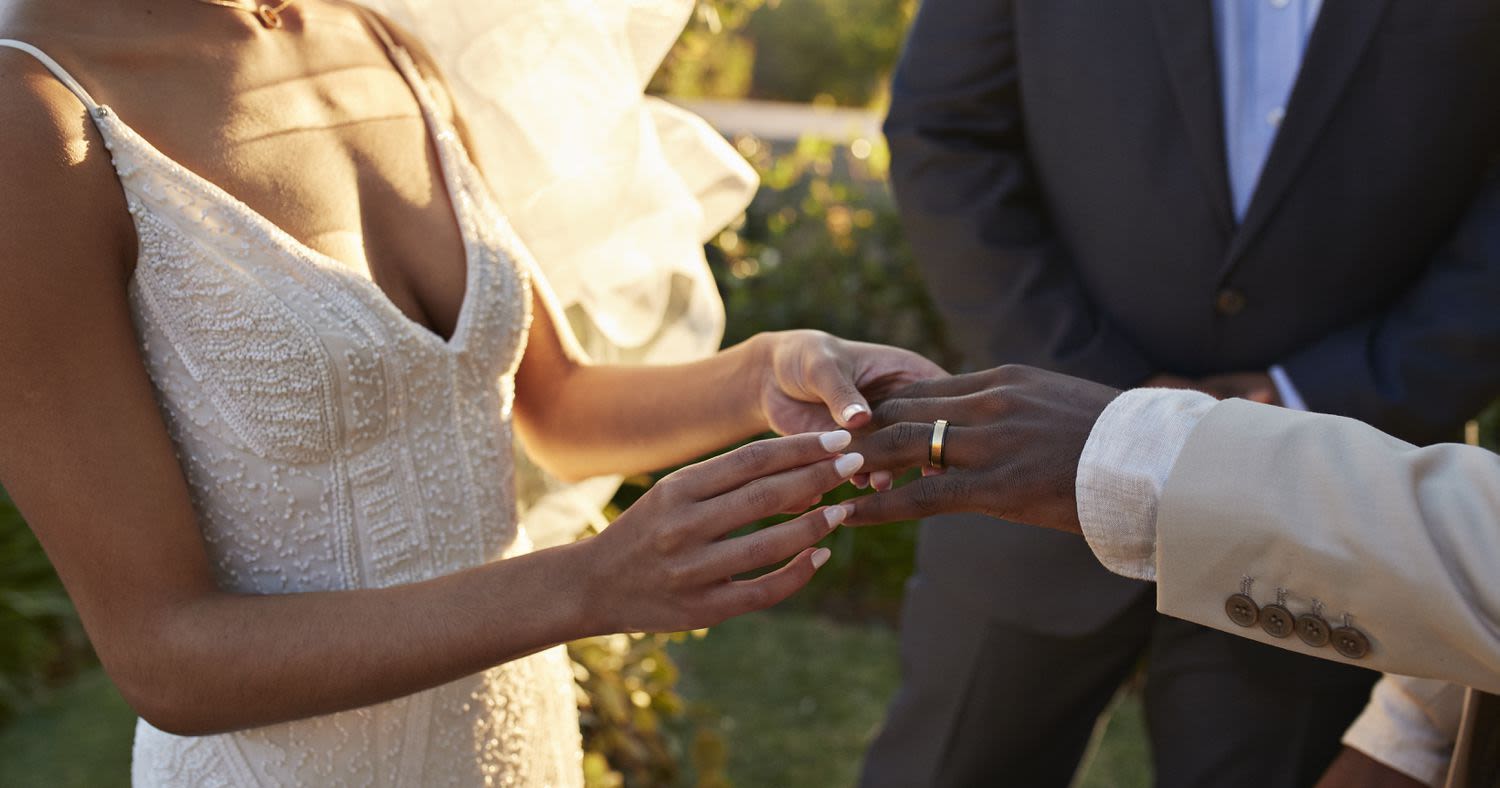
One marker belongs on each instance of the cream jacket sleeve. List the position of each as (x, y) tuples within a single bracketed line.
[(1320, 507), (1402, 543)]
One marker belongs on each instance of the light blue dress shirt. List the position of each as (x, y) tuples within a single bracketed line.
[(1260, 45)]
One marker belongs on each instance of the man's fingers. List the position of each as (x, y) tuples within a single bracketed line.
[(969, 409), (896, 447), (909, 444), (747, 596), (732, 470), (769, 545), (776, 493), (1265, 396), (920, 498), (952, 386)]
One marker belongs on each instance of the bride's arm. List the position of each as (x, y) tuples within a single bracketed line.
[(85, 455), (580, 420)]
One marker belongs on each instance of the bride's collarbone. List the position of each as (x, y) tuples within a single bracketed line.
[(319, 134), (342, 160)]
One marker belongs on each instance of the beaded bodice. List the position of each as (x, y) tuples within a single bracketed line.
[(331, 443)]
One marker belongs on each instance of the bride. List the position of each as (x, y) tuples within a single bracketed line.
[(267, 339)]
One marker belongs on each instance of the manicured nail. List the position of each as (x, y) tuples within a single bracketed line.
[(854, 410), (820, 556), (835, 515), (882, 480), (835, 441), (849, 463)]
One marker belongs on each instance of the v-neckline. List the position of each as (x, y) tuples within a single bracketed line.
[(437, 136)]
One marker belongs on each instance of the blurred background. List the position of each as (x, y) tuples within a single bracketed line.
[(788, 698)]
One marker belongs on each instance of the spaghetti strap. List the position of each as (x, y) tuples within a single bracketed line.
[(57, 71), (377, 24)]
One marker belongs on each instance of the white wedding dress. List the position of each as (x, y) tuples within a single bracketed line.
[(332, 443), (612, 190)]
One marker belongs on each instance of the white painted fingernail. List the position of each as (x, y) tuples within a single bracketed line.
[(849, 463), (820, 556), (854, 410), (835, 515), (835, 441)]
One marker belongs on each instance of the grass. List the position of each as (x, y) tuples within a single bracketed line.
[(796, 697), (80, 737), (800, 697)]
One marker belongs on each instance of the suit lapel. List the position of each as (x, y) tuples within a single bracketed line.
[(1339, 39), (1187, 45)]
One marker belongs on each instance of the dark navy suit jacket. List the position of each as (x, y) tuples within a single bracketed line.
[(1060, 169)]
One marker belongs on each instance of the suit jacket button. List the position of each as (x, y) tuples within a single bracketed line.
[(1229, 302), (1351, 642), (1277, 621), (1242, 610), (1312, 629)]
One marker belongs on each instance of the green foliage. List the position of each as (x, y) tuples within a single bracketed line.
[(711, 57), (41, 640), (821, 247), (839, 51), (78, 737), (629, 694), (826, 50)]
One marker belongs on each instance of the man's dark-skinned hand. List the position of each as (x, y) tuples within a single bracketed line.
[(1013, 442), (1253, 386), (1354, 769)]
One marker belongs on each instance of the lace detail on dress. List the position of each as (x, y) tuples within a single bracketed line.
[(329, 442), (258, 361)]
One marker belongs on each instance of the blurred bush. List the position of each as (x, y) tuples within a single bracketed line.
[(41, 641), (838, 51), (821, 247), (628, 698)]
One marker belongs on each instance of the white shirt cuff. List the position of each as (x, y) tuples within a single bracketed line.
[(1125, 464), (1410, 725), (1291, 398)]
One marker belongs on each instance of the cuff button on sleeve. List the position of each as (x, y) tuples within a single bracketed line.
[(1351, 642), (1242, 610), (1312, 629), (1277, 621)]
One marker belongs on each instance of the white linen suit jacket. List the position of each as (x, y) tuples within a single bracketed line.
[(1322, 515)]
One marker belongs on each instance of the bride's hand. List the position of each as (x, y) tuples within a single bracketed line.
[(665, 564), (1011, 448), (815, 381)]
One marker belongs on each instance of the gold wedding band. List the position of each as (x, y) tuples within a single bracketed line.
[(935, 449)]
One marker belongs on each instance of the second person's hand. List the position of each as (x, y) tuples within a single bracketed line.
[(1011, 448)]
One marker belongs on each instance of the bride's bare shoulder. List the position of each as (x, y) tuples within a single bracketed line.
[(56, 177)]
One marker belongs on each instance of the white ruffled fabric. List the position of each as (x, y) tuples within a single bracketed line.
[(613, 191)]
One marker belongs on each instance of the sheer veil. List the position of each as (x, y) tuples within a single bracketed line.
[(613, 191)]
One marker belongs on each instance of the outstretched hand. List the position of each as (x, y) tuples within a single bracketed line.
[(1011, 450), (815, 381), (669, 562)]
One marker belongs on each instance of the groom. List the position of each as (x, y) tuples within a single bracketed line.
[(1255, 197)]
